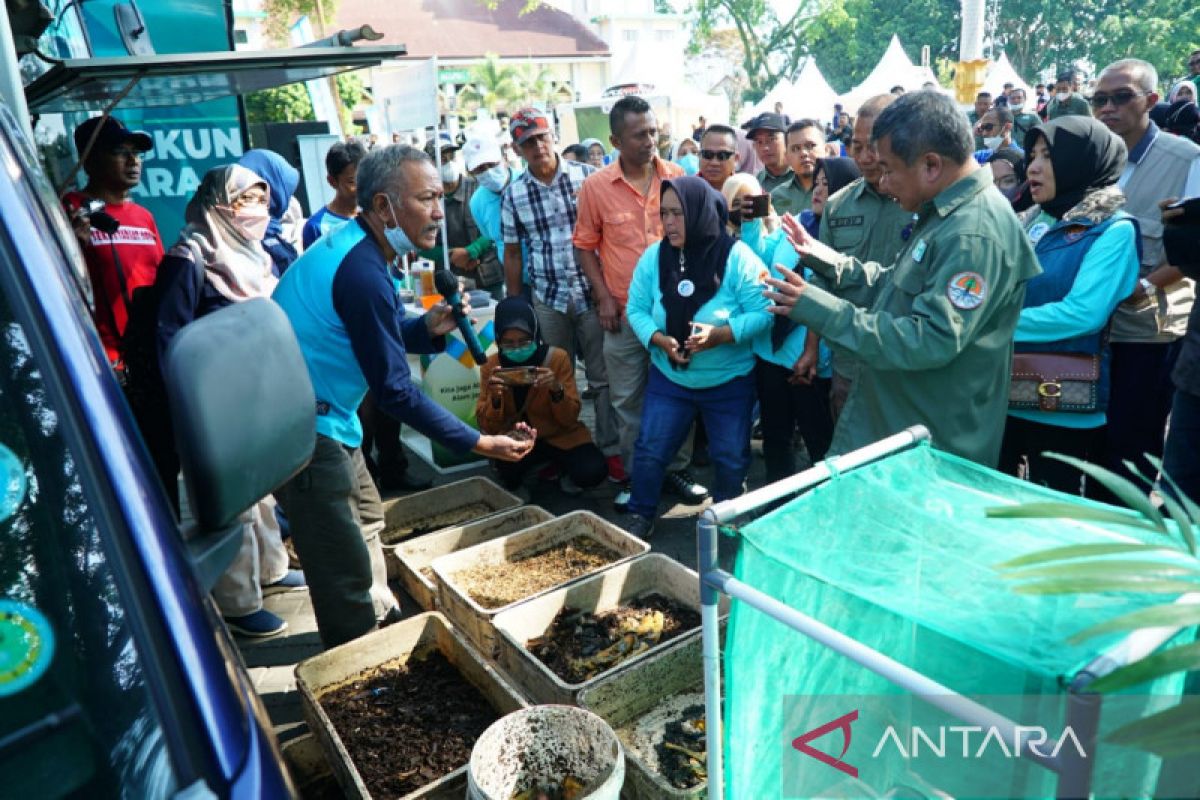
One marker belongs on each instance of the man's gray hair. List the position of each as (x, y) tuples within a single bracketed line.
[(872, 107), (1143, 72), (925, 122), (382, 171)]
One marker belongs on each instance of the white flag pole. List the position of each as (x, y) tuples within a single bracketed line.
[(437, 157)]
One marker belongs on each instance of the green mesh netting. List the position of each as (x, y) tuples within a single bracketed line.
[(900, 556)]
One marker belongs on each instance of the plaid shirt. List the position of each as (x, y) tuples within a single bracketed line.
[(543, 218)]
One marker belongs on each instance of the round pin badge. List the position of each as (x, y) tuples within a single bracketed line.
[(686, 288), (1037, 231), (12, 483), (26, 646)]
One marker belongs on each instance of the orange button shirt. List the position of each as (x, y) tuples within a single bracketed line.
[(619, 223)]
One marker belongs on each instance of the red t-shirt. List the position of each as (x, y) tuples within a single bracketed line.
[(140, 250)]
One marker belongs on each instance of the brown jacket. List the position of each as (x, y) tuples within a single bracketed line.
[(557, 424)]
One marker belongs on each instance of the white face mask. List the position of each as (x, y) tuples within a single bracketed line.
[(993, 142), (1062, 96), (1017, 106), (495, 178), (450, 172)]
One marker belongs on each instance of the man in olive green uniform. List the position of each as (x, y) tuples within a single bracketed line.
[(861, 222), (1067, 100), (1023, 121), (766, 132), (935, 342), (805, 144)]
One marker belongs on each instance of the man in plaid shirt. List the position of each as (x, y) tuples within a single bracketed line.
[(538, 209)]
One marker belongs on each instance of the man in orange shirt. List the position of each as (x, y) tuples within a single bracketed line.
[(618, 220)]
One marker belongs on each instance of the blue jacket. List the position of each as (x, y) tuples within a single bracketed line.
[(352, 329), (1088, 268), (774, 248), (485, 208), (738, 303)]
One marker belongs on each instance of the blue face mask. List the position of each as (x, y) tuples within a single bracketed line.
[(521, 354), (495, 178), (396, 237)]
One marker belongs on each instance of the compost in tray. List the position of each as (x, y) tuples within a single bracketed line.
[(435, 522), (496, 585), (670, 740), (579, 645), (406, 726)]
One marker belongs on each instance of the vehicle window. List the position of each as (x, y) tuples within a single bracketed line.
[(23, 164), (76, 717)]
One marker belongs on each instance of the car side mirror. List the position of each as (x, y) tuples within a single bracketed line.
[(245, 420)]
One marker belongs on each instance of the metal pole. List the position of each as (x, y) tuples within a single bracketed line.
[(819, 473), (708, 551), (437, 157), (1083, 719), (926, 688)]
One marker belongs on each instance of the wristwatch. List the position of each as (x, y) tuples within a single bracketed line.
[(1148, 287)]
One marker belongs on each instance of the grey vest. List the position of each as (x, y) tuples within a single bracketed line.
[(1161, 173)]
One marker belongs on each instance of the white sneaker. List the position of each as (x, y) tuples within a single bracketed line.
[(621, 501)]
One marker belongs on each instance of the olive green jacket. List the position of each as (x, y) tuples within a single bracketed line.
[(862, 223), (935, 344), (790, 197)]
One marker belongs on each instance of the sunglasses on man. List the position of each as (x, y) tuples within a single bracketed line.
[(1118, 99), (717, 155)]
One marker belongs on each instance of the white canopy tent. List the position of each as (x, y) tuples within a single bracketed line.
[(809, 96), (894, 69), (1001, 72)]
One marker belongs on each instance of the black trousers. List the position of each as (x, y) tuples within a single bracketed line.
[(784, 407), (584, 464), (1025, 441), (381, 434), (1142, 393)]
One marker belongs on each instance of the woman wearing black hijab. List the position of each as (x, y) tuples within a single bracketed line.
[(830, 176), (696, 304), (529, 383), (1088, 250)]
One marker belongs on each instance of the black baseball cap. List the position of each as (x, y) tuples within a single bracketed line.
[(112, 134), (767, 121)]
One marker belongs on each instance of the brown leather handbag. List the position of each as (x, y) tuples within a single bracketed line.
[(1066, 382)]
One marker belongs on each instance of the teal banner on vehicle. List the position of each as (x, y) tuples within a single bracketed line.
[(188, 140)]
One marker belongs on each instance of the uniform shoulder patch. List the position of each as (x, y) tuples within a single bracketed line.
[(967, 290)]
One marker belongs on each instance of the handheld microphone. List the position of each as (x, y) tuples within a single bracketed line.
[(447, 286)]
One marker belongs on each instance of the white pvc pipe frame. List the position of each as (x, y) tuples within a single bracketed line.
[(1075, 776)]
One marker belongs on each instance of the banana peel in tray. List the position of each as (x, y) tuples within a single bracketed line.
[(635, 634), (569, 789), (682, 753)]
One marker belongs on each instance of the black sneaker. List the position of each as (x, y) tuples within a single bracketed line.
[(639, 526), (684, 486)]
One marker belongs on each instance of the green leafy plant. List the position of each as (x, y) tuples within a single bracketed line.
[(492, 85), (1169, 567)]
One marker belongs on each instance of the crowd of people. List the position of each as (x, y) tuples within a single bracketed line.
[(1014, 277)]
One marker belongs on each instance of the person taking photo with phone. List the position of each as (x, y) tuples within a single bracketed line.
[(530, 384)]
